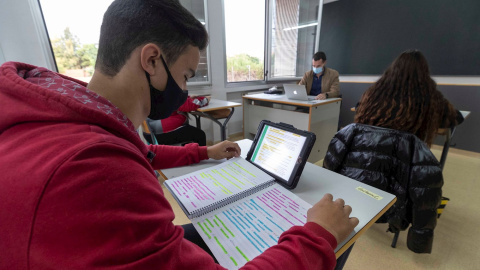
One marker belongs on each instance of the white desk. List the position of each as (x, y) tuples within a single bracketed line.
[(449, 132), (213, 105), (320, 117), (316, 182)]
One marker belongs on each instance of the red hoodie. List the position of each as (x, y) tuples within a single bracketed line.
[(78, 191)]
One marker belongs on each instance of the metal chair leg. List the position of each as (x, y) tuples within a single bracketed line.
[(395, 238)]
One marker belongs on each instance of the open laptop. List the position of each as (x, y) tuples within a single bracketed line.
[(297, 92)]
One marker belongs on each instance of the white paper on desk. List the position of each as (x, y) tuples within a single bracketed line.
[(240, 231)]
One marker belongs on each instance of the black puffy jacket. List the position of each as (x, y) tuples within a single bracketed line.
[(399, 163)]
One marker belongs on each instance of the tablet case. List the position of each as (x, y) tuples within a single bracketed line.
[(292, 182)]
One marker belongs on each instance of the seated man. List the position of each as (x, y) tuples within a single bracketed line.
[(175, 129), (321, 81)]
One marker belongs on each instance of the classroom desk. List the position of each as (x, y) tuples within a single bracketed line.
[(314, 183), (320, 117), (215, 105), (449, 132)]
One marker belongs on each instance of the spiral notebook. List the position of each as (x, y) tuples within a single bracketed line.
[(241, 206), (278, 154)]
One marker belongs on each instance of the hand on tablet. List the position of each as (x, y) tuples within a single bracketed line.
[(225, 149), (333, 216)]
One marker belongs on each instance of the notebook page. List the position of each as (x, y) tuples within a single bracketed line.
[(217, 183), (238, 232)]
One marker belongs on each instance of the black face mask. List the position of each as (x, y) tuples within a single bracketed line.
[(163, 103)]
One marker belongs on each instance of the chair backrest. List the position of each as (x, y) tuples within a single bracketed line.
[(153, 133), (384, 158), (396, 162), (148, 133)]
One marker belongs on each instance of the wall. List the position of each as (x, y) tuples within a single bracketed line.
[(364, 36), (22, 38)]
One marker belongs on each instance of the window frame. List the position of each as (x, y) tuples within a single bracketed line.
[(225, 72), (269, 42), (39, 17), (208, 82), (268, 79)]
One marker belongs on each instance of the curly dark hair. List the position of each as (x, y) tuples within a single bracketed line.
[(406, 98)]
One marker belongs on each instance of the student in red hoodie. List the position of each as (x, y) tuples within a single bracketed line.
[(78, 189), (175, 129)]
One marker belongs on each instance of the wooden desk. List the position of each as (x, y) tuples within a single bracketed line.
[(320, 117), (216, 105), (314, 183)]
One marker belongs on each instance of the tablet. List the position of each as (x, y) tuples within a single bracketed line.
[(281, 150)]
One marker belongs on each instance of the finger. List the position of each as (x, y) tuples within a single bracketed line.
[(353, 221), (234, 147), (347, 209), (230, 155), (327, 197), (231, 150), (340, 201)]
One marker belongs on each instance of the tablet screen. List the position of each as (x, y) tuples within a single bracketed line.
[(278, 151)]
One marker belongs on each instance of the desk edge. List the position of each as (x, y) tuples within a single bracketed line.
[(364, 229), (219, 108), (295, 103)]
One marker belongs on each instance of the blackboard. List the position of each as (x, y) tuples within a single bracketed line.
[(362, 37)]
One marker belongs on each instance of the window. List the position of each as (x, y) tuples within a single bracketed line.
[(74, 35), (292, 37), (74, 31), (245, 39), (197, 8), (290, 40)]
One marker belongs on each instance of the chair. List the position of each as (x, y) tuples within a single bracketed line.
[(399, 163), (440, 209), (151, 138), (147, 133)]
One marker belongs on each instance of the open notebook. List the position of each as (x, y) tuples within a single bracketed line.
[(241, 206)]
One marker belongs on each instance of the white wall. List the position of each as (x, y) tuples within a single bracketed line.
[(23, 36)]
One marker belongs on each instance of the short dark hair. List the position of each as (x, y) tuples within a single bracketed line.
[(320, 55), (128, 24)]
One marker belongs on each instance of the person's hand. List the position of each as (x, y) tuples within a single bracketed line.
[(321, 96), (225, 149), (333, 216)]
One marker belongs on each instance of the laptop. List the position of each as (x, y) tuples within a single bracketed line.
[(297, 92)]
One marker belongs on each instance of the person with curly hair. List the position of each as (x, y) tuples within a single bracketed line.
[(406, 98), (388, 146)]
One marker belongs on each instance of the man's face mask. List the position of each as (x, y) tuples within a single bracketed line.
[(164, 103), (317, 70)]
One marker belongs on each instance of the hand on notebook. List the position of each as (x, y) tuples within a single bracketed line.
[(225, 149), (333, 216)]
